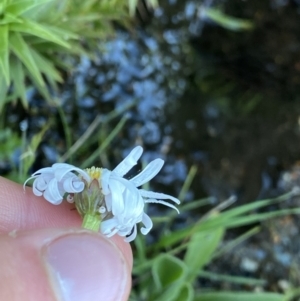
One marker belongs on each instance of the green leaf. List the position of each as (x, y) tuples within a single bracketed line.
[(4, 53), (61, 32), (132, 6), (170, 294), (9, 18), (47, 67), (17, 8), (152, 3), (200, 250), (43, 90), (85, 18), (23, 52), (3, 91), (39, 30), (87, 5), (226, 21), (169, 275), (3, 6), (17, 75), (168, 269), (186, 293), (239, 296)]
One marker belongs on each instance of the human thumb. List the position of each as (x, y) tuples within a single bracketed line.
[(63, 265)]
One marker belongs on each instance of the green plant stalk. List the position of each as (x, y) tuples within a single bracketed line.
[(91, 222)]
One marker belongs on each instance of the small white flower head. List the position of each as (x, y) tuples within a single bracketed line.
[(53, 182), (116, 201)]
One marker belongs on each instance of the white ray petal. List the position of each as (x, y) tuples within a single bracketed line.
[(132, 236), (40, 184), (105, 176), (116, 191), (126, 230), (147, 223), (63, 169), (43, 171), (134, 203), (158, 195), (73, 185), (162, 202), (151, 170), (52, 193), (36, 190), (108, 225), (129, 161), (112, 233), (108, 202)]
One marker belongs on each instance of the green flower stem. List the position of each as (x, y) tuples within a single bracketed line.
[(91, 222)]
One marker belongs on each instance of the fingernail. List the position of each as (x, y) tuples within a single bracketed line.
[(84, 267)]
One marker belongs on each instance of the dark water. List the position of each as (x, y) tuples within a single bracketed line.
[(225, 101)]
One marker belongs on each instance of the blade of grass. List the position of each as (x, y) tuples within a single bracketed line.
[(233, 279), (97, 121), (23, 52), (3, 92), (17, 8), (4, 53), (39, 30), (249, 207), (236, 242), (105, 143), (242, 221), (187, 183), (195, 204), (200, 250), (238, 296), (132, 5), (226, 21), (17, 74), (47, 67), (220, 220)]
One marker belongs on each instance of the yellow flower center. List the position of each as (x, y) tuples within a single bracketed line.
[(94, 172)]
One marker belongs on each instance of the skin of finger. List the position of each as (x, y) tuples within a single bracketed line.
[(23, 210), (23, 275)]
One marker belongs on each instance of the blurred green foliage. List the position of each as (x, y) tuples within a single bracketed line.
[(9, 142), (39, 38), (169, 268)]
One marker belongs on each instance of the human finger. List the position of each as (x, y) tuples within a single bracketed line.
[(21, 209), (62, 265)]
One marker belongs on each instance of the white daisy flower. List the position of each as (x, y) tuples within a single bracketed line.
[(105, 194)]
